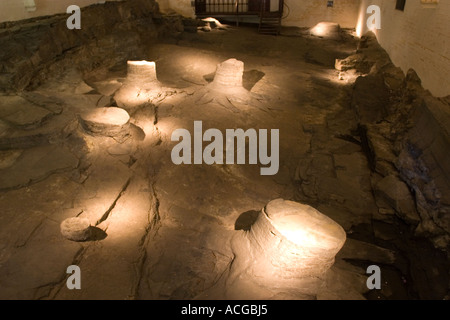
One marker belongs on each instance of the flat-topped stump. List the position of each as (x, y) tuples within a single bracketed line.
[(110, 121)]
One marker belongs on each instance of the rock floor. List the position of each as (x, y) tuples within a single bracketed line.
[(162, 231)]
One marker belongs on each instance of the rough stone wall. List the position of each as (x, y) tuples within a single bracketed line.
[(305, 13), (110, 33), (424, 162), (13, 10), (417, 38), (406, 135)]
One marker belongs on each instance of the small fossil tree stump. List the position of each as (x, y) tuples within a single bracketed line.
[(76, 229), (329, 30), (229, 74), (109, 122)]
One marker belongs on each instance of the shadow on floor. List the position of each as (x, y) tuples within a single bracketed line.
[(246, 220)]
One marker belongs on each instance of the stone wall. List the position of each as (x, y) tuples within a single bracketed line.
[(110, 34), (416, 38), (405, 132), (424, 163)]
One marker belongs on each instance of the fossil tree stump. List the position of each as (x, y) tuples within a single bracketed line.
[(289, 248), (111, 122), (76, 229), (229, 74), (140, 85)]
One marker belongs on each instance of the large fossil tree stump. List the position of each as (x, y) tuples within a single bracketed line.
[(289, 248), (141, 73), (140, 85), (229, 74)]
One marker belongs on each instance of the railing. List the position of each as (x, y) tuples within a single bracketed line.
[(235, 7)]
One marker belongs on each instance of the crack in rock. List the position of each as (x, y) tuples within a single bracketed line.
[(106, 214), (153, 225), (20, 245), (52, 289)]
